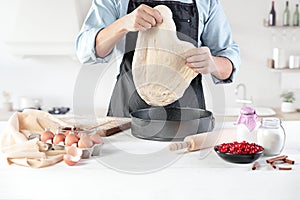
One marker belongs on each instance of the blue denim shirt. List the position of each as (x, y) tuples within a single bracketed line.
[(214, 31)]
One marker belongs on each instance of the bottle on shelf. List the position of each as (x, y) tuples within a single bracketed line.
[(296, 16), (272, 15), (286, 15)]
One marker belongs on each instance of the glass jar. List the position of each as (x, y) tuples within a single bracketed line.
[(271, 136), (247, 124)]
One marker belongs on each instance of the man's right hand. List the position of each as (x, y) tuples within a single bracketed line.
[(142, 18)]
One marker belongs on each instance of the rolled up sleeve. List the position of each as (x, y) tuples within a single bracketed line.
[(101, 14), (218, 38)]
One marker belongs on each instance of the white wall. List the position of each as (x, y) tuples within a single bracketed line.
[(53, 78), (49, 78), (256, 43)]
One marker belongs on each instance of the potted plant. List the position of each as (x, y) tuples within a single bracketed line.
[(287, 104)]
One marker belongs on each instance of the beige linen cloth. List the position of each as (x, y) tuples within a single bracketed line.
[(159, 68), (33, 153)]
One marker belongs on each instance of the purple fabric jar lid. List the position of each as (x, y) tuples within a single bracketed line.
[(246, 110), (248, 117)]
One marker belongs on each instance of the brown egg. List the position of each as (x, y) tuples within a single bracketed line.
[(59, 139), (74, 151), (71, 139), (47, 136), (72, 156), (79, 133), (85, 141), (66, 133), (96, 139), (70, 160)]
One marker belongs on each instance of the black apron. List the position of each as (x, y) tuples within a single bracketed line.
[(125, 98)]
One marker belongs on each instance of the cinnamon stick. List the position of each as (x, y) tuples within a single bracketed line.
[(276, 159), (285, 168), (289, 161), (273, 165), (255, 165)]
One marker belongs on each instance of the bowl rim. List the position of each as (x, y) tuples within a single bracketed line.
[(208, 114), (235, 154)]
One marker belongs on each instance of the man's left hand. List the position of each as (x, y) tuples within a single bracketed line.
[(200, 60)]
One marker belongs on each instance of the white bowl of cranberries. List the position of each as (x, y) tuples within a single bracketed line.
[(239, 152)]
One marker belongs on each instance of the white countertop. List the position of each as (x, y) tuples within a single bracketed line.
[(161, 174)]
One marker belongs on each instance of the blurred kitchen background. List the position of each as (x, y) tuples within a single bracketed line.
[(37, 54)]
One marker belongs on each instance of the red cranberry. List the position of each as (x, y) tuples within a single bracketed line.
[(239, 148)]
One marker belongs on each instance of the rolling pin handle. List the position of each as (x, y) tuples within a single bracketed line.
[(178, 145)]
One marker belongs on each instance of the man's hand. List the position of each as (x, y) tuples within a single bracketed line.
[(200, 60), (142, 18)]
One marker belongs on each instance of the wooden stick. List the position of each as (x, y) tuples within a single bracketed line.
[(206, 140), (179, 145), (102, 124)]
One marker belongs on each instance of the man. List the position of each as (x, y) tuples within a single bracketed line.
[(113, 24)]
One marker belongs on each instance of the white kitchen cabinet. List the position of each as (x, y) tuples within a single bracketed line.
[(41, 27)]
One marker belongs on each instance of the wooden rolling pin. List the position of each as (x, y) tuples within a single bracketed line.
[(205, 140)]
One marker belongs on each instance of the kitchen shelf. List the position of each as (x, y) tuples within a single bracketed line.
[(284, 70), (284, 32), (284, 27)]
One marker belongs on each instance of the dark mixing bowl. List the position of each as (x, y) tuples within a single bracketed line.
[(238, 158), (170, 124)]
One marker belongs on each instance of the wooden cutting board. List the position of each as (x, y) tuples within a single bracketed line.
[(113, 126), (104, 126)]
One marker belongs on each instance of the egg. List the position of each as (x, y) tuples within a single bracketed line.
[(71, 139), (59, 139), (70, 160), (72, 156), (85, 141), (66, 133), (80, 133), (96, 139), (74, 151), (47, 136)]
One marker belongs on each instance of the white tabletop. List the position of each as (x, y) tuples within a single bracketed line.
[(130, 168)]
